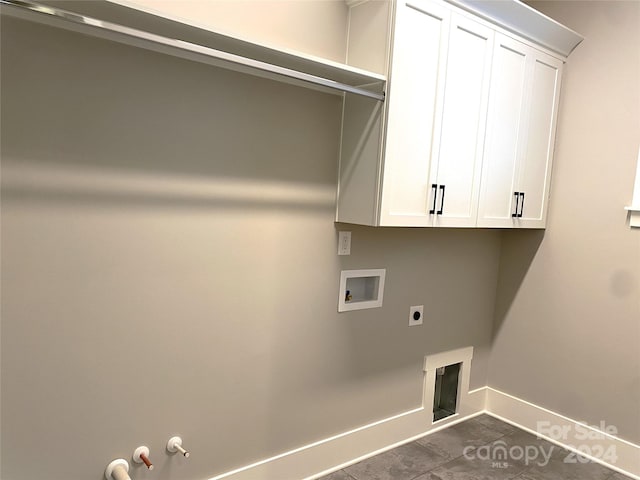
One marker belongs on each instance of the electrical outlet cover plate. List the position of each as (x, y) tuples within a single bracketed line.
[(344, 243), (416, 311)]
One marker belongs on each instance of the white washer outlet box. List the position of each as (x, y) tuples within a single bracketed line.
[(361, 289)]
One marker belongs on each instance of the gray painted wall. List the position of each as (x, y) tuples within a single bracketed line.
[(568, 309), (315, 27), (169, 267)]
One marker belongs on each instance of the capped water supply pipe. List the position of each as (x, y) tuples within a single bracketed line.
[(141, 455), (175, 445), (117, 470)]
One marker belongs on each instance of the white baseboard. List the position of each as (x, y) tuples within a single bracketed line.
[(591, 442), (326, 456), (331, 454)]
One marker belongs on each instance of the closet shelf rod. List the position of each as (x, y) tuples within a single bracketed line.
[(55, 13)]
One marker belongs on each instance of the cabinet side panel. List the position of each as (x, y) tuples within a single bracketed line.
[(535, 169), (506, 98), (368, 40), (359, 161), (415, 88)]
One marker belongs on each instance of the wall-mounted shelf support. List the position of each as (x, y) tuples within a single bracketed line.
[(634, 217), (338, 78), (634, 209)]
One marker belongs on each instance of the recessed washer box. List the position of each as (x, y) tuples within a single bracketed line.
[(360, 289)]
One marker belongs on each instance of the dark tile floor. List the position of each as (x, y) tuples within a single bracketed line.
[(475, 450)]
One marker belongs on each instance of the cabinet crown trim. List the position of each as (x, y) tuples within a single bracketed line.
[(525, 21)]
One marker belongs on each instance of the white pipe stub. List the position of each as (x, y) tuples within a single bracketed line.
[(175, 445), (117, 470)]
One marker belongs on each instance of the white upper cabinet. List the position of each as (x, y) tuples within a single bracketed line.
[(435, 128), (466, 135), (534, 176), (523, 106), (415, 101), (463, 122), (435, 121), (504, 123)]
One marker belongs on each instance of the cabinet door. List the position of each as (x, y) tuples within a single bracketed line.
[(460, 149), (416, 89), (506, 115), (534, 172)]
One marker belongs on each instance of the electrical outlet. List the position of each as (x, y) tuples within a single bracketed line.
[(415, 315), (344, 243)]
